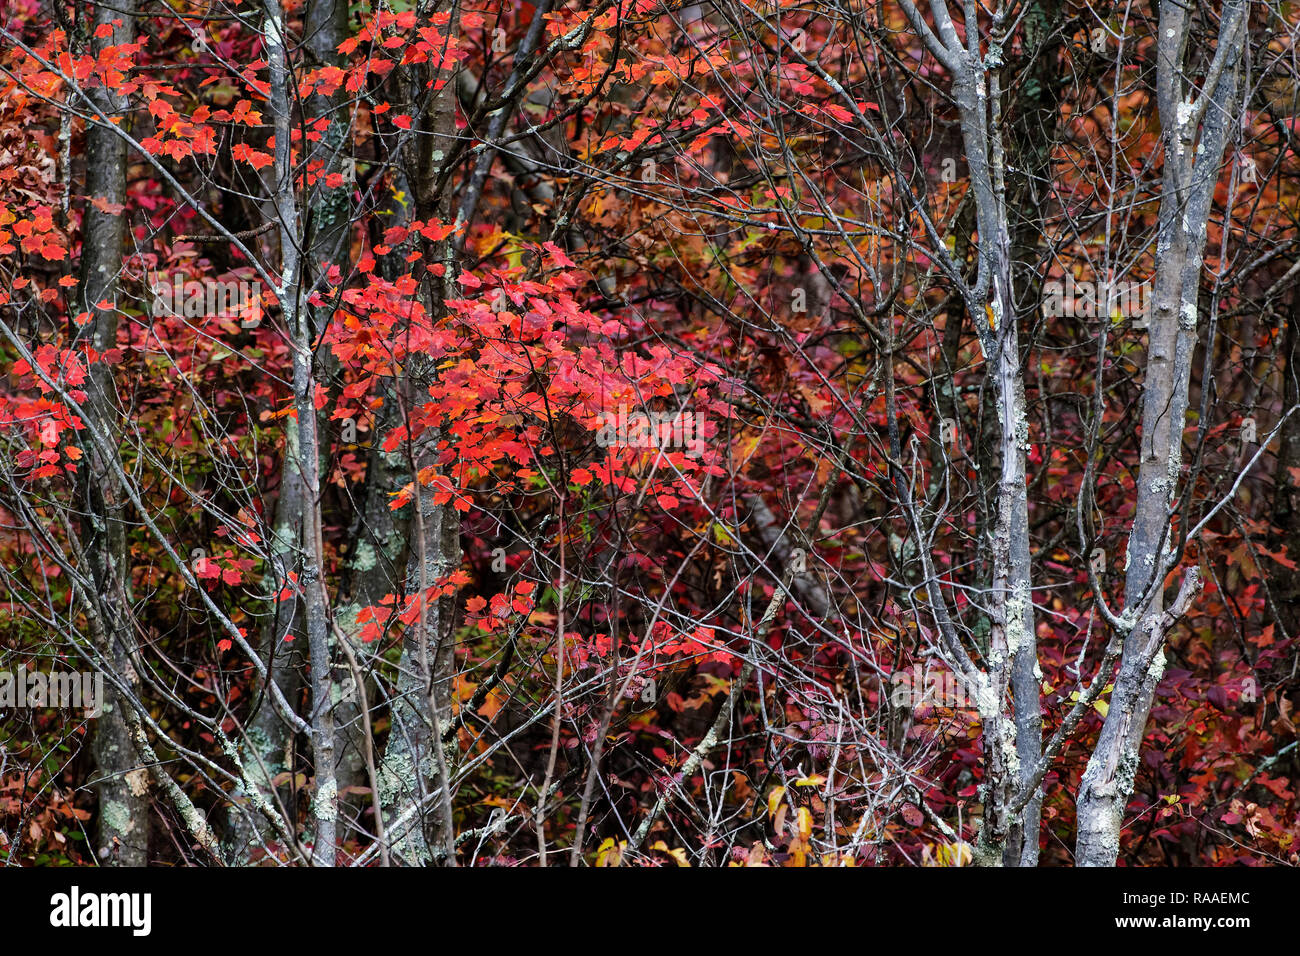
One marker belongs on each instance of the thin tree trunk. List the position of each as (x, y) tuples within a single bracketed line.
[(1012, 742), (266, 747), (1033, 133), (328, 245), (1286, 490), (298, 320), (122, 829), (1191, 171), (414, 778)]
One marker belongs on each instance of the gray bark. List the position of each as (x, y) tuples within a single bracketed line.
[(1012, 741), (329, 234), (122, 830), (266, 747), (414, 771), (1286, 491), (298, 320), (375, 565), (1191, 170), (1033, 133), (414, 777)]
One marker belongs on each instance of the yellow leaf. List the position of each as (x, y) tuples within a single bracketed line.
[(956, 854), (774, 800), (678, 854), (610, 853)]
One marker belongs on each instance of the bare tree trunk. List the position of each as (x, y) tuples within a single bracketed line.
[(375, 562), (269, 738), (297, 318), (1033, 129), (329, 234), (266, 747), (1286, 490), (1012, 743), (122, 829), (1191, 170), (414, 779)]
